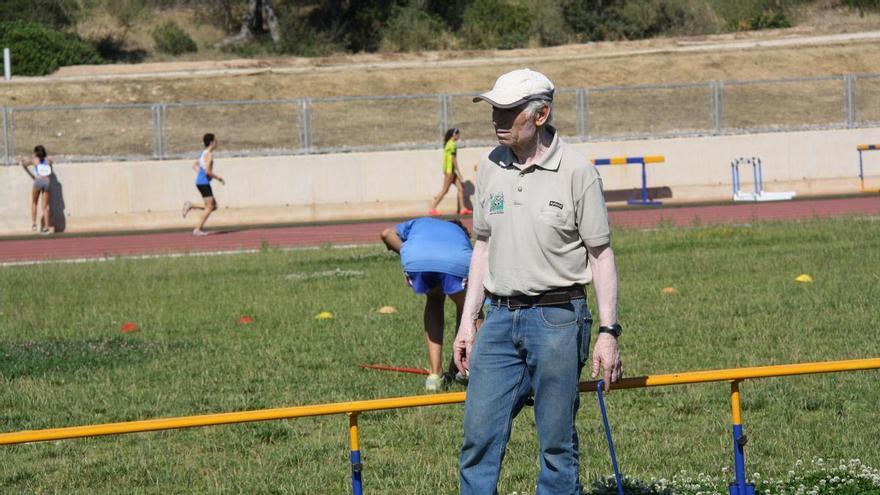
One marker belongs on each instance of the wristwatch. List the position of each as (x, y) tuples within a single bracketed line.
[(615, 330)]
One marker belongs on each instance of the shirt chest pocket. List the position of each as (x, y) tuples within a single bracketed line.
[(555, 217)]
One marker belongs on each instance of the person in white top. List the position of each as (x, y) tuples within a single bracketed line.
[(42, 176)]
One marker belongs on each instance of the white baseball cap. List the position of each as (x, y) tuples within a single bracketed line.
[(516, 87)]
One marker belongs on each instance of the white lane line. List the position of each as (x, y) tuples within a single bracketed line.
[(99, 259)]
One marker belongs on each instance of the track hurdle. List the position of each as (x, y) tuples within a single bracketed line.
[(734, 376), (862, 148), (758, 178), (636, 160)]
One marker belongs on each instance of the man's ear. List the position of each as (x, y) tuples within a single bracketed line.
[(542, 115)]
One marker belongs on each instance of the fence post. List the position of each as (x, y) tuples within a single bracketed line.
[(579, 110), (585, 114), (717, 106), (157, 145), (7, 65), (305, 122), (849, 100), (443, 100), (5, 139), (10, 127)]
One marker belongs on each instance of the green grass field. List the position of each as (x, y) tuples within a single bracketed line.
[(63, 362)]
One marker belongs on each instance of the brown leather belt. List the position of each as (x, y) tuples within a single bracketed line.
[(550, 298)]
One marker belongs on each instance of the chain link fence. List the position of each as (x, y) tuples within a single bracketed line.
[(373, 123)]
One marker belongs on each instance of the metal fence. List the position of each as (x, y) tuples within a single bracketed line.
[(372, 123)]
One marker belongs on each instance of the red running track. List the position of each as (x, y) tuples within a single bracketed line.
[(66, 248)]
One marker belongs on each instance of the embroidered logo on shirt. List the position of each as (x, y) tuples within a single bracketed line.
[(556, 204), (496, 203)]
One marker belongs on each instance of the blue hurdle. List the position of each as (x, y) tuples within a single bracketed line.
[(635, 160)]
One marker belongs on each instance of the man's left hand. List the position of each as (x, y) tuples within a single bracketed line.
[(606, 355)]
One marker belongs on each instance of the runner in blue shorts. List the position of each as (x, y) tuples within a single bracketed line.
[(435, 255)]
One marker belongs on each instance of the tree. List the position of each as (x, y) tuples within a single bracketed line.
[(258, 12)]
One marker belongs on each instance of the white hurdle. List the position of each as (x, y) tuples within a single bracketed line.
[(758, 177)]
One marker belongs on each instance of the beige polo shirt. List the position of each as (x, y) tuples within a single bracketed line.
[(539, 220)]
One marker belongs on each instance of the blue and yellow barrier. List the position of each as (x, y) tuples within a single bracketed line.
[(353, 409), (635, 160), (861, 149)]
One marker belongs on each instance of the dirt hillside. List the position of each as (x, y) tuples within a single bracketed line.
[(804, 51)]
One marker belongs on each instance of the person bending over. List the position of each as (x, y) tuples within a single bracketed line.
[(435, 255)]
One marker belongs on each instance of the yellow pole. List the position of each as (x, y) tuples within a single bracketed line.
[(353, 431), (739, 441), (734, 402), (724, 375), (229, 418), (418, 401), (357, 487)]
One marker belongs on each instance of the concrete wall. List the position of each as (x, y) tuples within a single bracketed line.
[(148, 195)]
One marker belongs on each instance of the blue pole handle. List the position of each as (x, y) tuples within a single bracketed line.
[(608, 436)]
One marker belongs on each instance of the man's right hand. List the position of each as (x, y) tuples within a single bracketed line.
[(464, 342)]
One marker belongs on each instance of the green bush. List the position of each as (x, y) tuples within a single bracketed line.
[(55, 14), (648, 18), (38, 50), (636, 19), (412, 29), (591, 20), (549, 27), (299, 37), (496, 24), (744, 15), (862, 5), (171, 39)]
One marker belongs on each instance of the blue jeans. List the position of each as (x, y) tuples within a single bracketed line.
[(517, 351)]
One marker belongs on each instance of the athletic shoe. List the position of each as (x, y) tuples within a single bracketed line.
[(465, 211), (34, 228), (433, 212), (187, 206), (199, 233), (46, 231), (433, 383)]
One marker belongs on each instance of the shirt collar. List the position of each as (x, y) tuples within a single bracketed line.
[(550, 161)]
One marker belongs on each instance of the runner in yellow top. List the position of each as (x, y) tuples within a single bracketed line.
[(451, 174)]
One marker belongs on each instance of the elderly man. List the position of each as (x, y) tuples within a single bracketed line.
[(542, 236)]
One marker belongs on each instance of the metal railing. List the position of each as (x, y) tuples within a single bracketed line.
[(372, 123), (354, 409)]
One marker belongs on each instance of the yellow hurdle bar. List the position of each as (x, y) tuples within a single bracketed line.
[(630, 160), (419, 401)]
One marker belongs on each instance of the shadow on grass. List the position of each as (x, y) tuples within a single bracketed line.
[(32, 358)]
